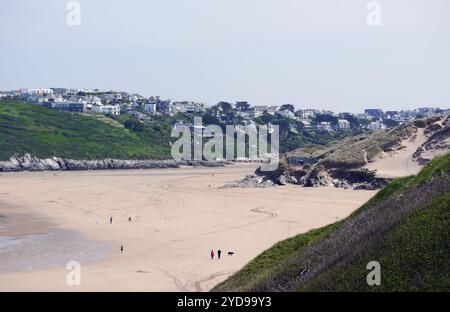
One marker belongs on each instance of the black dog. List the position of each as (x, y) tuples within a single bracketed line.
[(230, 253)]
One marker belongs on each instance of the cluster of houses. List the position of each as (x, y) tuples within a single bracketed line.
[(302, 117), (307, 119), (103, 102), (142, 108)]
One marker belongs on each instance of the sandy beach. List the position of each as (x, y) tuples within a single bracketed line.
[(177, 217)]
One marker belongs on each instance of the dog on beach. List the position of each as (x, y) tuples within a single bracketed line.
[(230, 253)]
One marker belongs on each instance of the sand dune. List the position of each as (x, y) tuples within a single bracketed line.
[(178, 216), (399, 163)]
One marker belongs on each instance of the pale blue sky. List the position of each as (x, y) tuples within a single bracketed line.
[(316, 53)]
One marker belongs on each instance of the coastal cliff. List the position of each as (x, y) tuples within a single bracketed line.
[(28, 162)]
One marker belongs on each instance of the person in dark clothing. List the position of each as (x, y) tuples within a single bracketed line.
[(129, 219), (219, 252), (121, 248), (212, 254), (110, 220)]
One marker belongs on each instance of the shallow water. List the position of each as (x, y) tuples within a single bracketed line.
[(54, 249), (7, 241)]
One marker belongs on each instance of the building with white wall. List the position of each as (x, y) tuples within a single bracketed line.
[(106, 109), (343, 124), (36, 91)]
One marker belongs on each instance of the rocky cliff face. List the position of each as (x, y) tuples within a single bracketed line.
[(32, 163), (313, 176)]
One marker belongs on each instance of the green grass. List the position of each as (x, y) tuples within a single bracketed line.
[(45, 132), (405, 227), (266, 263), (413, 256)]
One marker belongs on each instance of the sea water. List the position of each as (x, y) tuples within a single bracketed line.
[(53, 249)]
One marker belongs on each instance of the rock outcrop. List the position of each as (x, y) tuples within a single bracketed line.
[(28, 162), (252, 180), (344, 164), (314, 176)]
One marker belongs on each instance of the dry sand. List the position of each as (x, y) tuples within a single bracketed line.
[(176, 220), (399, 163)]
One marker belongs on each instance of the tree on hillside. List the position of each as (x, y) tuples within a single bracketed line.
[(264, 119), (326, 118), (390, 123), (287, 107), (242, 105), (225, 106), (133, 125)]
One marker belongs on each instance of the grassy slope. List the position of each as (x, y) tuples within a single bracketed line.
[(352, 152), (47, 132), (405, 227)]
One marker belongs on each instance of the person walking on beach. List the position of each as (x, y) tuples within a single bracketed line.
[(219, 252), (212, 254), (110, 220), (121, 248)]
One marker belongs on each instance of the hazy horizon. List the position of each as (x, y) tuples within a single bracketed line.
[(313, 54)]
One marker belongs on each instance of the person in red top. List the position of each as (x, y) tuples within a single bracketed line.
[(212, 254)]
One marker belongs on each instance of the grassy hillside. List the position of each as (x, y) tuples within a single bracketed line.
[(405, 227), (45, 132)]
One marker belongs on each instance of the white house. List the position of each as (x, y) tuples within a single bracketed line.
[(186, 107), (272, 110), (324, 126), (36, 91), (363, 116), (260, 108), (307, 113), (94, 100), (76, 98), (376, 125), (73, 91), (286, 113), (257, 111), (305, 123), (106, 109), (343, 124), (135, 97)]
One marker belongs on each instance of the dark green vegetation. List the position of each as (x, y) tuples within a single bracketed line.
[(45, 132), (405, 227), (293, 135)]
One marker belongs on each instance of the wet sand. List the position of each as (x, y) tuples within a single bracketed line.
[(178, 216)]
